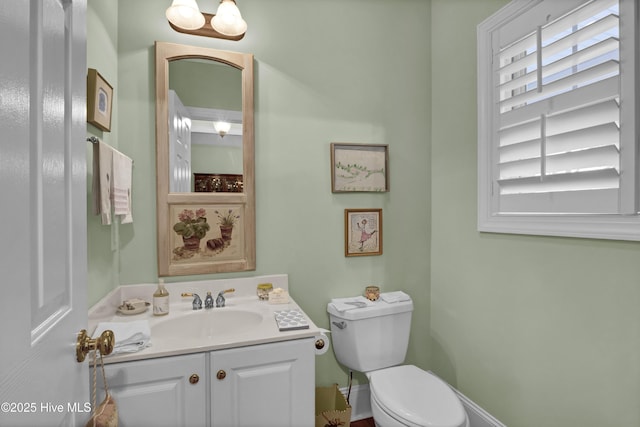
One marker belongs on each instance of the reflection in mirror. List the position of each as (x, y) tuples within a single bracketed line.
[(205, 172), (205, 126)]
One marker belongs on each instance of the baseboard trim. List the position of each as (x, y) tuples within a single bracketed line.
[(359, 401), (361, 407)]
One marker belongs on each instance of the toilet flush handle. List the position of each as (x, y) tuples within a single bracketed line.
[(340, 325)]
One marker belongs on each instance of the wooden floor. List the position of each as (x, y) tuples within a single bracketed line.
[(367, 422)]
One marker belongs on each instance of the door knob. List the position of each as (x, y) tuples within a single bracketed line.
[(221, 374), (104, 343)]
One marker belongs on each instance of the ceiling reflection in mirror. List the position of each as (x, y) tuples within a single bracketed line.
[(205, 126)]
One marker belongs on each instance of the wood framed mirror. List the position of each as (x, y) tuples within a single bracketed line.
[(207, 229)]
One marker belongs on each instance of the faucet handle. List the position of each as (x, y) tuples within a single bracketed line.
[(197, 302)]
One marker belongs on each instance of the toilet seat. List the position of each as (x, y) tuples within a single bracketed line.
[(415, 397)]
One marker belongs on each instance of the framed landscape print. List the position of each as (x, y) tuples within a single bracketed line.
[(359, 167)]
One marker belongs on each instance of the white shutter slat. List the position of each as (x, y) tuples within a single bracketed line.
[(523, 150), (592, 52), (579, 181), (520, 133), (577, 16), (598, 72), (575, 162), (595, 136), (604, 90), (519, 170), (580, 118), (582, 35)]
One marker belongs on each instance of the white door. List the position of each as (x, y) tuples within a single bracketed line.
[(43, 212), (179, 145)]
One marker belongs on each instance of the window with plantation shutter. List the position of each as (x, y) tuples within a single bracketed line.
[(556, 119)]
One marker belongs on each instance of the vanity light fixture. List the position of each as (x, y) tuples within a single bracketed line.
[(222, 128), (185, 17)]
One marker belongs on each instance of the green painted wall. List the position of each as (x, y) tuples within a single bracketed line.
[(336, 74), (539, 331)]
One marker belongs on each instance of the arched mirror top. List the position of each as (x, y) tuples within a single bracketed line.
[(201, 166)]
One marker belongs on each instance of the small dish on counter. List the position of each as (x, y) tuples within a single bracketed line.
[(128, 308)]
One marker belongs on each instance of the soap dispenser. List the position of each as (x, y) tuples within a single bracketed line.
[(161, 300)]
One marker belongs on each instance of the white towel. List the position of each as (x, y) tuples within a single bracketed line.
[(129, 336), (102, 177), (122, 166), (392, 297), (344, 304)]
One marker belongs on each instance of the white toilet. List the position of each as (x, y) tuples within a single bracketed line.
[(374, 340)]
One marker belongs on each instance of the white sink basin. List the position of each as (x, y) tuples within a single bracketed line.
[(204, 324)]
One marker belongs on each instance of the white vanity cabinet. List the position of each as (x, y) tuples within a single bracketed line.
[(264, 385), (167, 391), (259, 385)]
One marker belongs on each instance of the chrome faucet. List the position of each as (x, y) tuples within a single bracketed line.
[(197, 302), (220, 301), (208, 301)]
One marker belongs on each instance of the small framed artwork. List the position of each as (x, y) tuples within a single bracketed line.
[(99, 100), (359, 167), (362, 232)]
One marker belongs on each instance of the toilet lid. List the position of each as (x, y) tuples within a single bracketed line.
[(416, 397)]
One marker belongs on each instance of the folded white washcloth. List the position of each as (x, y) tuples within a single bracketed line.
[(397, 296), (129, 336), (344, 304)]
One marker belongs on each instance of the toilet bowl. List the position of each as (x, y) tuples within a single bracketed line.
[(408, 396), (372, 338)]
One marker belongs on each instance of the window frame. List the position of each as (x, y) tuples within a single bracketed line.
[(599, 226)]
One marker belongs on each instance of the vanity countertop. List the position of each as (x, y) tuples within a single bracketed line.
[(244, 321)]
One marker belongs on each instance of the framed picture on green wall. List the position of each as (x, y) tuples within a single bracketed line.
[(359, 167), (99, 100), (362, 232)]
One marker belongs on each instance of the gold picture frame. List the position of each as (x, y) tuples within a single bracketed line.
[(99, 100), (359, 167), (362, 232)]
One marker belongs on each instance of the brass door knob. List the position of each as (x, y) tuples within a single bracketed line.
[(319, 344), (221, 374), (193, 379), (104, 343)]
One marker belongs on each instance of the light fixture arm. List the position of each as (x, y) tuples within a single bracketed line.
[(206, 30)]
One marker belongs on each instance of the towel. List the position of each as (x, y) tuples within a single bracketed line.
[(102, 173), (344, 304), (392, 297), (129, 336), (122, 166)]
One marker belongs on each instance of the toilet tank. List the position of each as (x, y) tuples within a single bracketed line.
[(370, 338)]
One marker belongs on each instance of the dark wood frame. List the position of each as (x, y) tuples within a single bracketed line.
[(348, 232)]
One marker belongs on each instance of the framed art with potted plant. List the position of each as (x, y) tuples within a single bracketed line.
[(203, 235), (362, 232), (99, 100)]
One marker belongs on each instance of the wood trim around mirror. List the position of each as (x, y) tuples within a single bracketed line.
[(216, 252)]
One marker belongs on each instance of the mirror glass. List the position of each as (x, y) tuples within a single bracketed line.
[(204, 160), (208, 94)]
